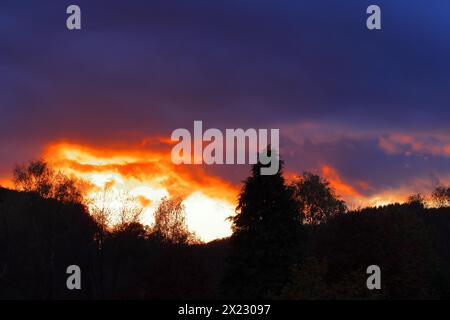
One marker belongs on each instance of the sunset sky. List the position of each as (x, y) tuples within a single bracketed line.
[(368, 110)]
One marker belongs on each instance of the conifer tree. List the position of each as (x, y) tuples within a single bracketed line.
[(266, 237)]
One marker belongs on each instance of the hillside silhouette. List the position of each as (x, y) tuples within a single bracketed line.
[(290, 241)]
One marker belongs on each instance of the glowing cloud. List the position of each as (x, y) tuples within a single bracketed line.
[(149, 175), (341, 187)]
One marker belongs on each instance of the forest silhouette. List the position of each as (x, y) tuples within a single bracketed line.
[(294, 240)]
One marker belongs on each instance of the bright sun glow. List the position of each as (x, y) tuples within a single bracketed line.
[(148, 177), (203, 211)]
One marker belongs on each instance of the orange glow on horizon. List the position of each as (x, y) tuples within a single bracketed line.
[(146, 172), (338, 184), (355, 198), (6, 183), (359, 195), (149, 175)]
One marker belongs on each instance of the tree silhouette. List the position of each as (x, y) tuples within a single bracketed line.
[(394, 237), (42, 231), (37, 176), (112, 220), (170, 223), (417, 201), (265, 240), (441, 197), (316, 199), (39, 238)]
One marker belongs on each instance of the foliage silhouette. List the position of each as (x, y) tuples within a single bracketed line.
[(272, 253), (316, 199), (395, 237), (266, 238), (441, 196), (37, 176), (170, 223)]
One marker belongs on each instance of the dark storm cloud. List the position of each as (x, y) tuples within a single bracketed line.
[(142, 68), (358, 157)]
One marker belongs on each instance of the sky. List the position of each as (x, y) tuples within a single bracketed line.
[(368, 110)]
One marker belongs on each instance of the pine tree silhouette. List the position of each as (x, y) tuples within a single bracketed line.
[(266, 235)]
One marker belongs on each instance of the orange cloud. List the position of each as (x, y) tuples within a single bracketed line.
[(144, 201), (341, 187), (355, 198), (151, 167), (148, 174), (6, 183), (425, 144)]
